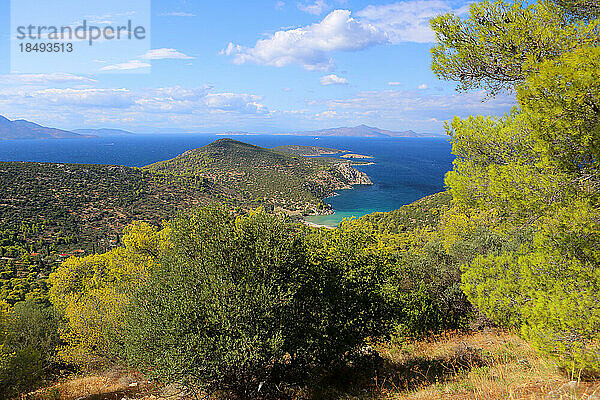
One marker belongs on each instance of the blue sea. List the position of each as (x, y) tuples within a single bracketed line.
[(404, 169)]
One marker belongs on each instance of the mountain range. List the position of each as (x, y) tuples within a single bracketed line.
[(363, 131), (22, 129)]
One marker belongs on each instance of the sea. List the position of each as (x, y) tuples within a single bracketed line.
[(403, 169)]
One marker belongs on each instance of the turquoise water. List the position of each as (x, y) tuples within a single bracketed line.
[(405, 169)]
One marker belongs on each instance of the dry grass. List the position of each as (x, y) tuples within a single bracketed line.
[(115, 384), (487, 365), (480, 366)]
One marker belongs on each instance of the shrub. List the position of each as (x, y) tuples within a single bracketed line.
[(92, 292), (245, 303), (28, 340)]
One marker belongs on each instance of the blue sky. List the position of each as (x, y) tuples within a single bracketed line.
[(262, 66)]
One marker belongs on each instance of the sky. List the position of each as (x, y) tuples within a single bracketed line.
[(263, 67)]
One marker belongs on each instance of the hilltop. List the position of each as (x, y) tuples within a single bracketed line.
[(258, 174)]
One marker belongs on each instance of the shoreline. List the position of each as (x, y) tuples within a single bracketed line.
[(313, 225)]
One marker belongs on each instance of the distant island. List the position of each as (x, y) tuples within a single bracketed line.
[(102, 132), (21, 129), (364, 131), (308, 151)]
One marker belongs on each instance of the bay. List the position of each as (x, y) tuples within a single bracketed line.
[(404, 169)]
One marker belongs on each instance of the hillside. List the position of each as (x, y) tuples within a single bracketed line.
[(421, 213), (257, 174), (88, 205), (21, 129), (90, 202)]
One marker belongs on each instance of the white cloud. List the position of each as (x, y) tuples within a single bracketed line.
[(42, 79), (279, 5), (243, 103), (127, 66), (317, 7), (407, 21), (177, 14), (113, 98), (326, 114), (423, 86), (394, 83), (310, 46), (333, 80), (154, 108), (395, 106), (165, 53)]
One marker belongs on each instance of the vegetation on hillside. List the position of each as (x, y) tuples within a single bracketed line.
[(49, 212), (231, 304), (531, 178), (261, 175)]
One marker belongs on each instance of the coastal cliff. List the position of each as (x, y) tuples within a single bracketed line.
[(352, 175)]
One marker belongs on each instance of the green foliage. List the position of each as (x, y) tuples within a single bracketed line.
[(28, 340), (498, 44), (250, 299), (531, 179), (219, 308), (580, 9), (92, 293), (562, 104)]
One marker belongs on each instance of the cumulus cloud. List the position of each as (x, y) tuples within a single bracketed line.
[(407, 21), (423, 86), (126, 66), (333, 80), (326, 114), (244, 103), (310, 46), (394, 83), (157, 104), (316, 7), (279, 5), (165, 53)]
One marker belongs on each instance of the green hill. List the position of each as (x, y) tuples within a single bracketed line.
[(421, 213), (77, 206), (258, 175)]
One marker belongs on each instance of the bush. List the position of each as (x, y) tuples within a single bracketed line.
[(29, 339), (243, 304), (215, 309), (549, 289), (92, 292)]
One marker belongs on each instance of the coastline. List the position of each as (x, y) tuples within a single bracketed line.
[(313, 225)]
